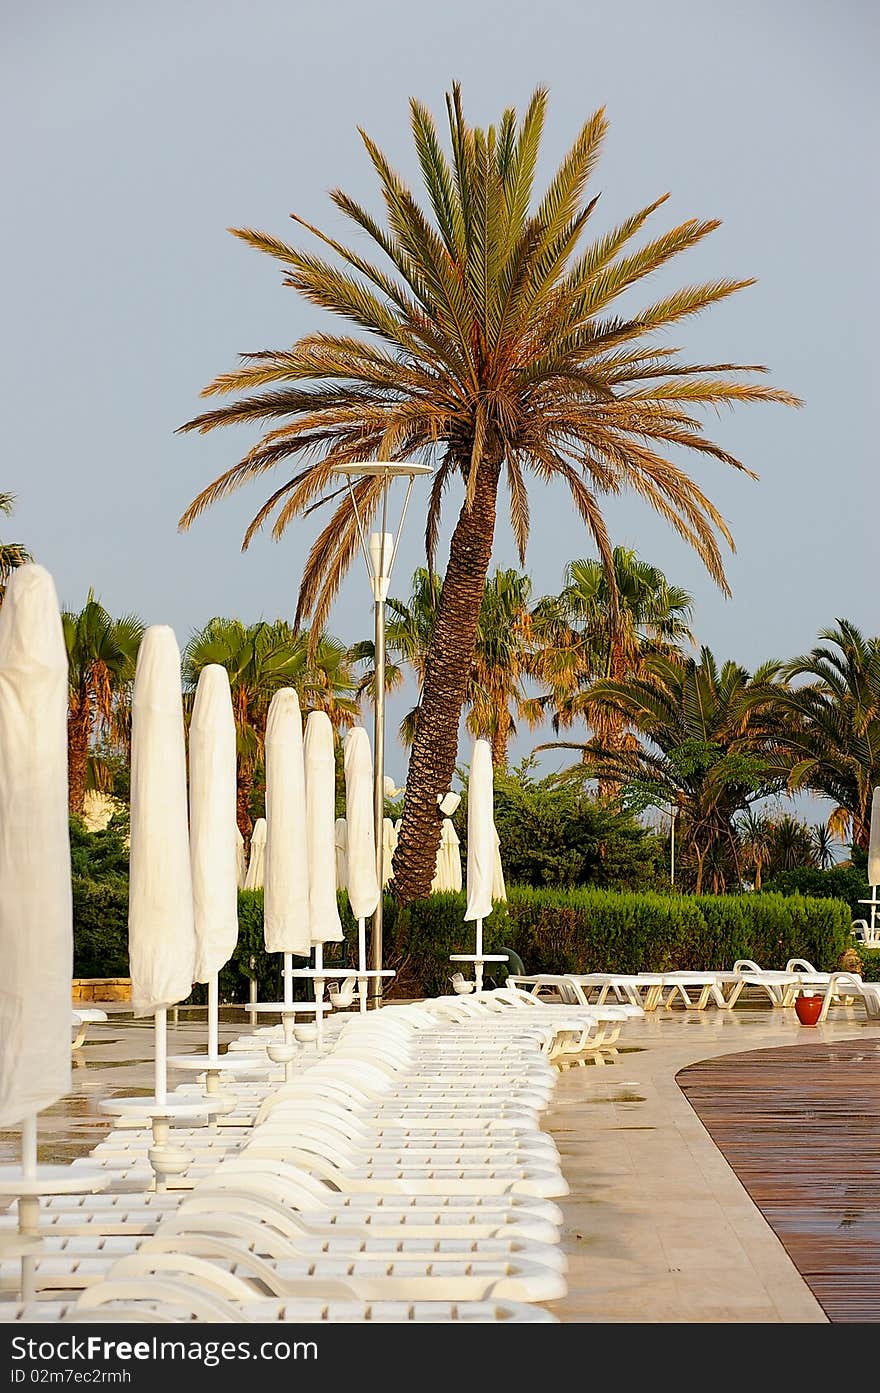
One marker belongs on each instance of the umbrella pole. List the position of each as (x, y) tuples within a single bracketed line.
[(213, 1017), (873, 911), (362, 963), (288, 978), (319, 992), (28, 1206), (161, 1032), (478, 965)]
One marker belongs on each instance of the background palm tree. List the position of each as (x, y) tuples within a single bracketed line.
[(101, 655), (12, 554), (261, 658), (502, 657), (493, 347), (701, 750), (599, 629), (755, 844), (826, 733)]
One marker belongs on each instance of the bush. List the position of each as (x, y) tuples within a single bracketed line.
[(847, 883), (555, 834), (100, 928)]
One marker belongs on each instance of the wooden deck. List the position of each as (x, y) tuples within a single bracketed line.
[(800, 1126)]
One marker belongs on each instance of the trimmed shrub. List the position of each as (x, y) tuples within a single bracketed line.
[(575, 930)]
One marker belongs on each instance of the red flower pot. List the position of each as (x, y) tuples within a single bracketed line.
[(808, 1009)]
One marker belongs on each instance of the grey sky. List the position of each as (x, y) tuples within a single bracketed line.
[(135, 134)]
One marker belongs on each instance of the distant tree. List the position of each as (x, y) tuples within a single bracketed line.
[(827, 731), (701, 750), (601, 628), (101, 656), (503, 655), (260, 659), (12, 554)]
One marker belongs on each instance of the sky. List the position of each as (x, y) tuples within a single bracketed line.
[(136, 135)]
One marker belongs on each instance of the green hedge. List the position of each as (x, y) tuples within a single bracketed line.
[(551, 930)]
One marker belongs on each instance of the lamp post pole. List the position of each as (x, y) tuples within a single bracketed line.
[(380, 584), (380, 550)]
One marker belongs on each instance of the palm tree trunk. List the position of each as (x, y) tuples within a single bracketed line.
[(435, 748), (243, 800), (77, 761), (499, 747)]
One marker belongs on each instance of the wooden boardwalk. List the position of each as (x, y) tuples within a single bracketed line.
[(800, 1126)]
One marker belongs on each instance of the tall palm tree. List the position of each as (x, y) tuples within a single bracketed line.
[(597, 629), (101, 656), (701, 751), (261, 658), (502, 655), (12, 554), (490, 343), (827, 731)]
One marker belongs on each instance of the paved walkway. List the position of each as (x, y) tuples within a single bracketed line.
[(657, 1226)]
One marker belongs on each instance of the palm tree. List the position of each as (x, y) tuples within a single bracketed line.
[(596, 630), (489, 343), (701, 751), (261, 658), (827, 732), (753, 833), (823, 846), (12, 554), (101, 655), (502, 656)]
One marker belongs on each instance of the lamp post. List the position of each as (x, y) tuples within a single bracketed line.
[(380, 552), (672, 846)]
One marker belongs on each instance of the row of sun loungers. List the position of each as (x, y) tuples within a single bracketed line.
[(696, 990), (399, 1175)]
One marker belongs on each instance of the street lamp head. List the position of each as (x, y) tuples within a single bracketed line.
[(388, 469), (380, 548)]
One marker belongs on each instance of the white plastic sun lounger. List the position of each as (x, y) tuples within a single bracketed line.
[(240, 1276), (309, 1209), (175, 1302), (779, 987), (850, 985), (81, 1019)]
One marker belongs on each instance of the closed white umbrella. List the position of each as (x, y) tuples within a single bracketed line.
[(213, 834), (287, 912), (389, 846), (161, 931), (481, 846), (36, 917), (36, 933), (161, 920), (240, 859), (447, 875), (874, 858), (325, 925), (362, 881), (874, 840), (340, 835), (257, 863)]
